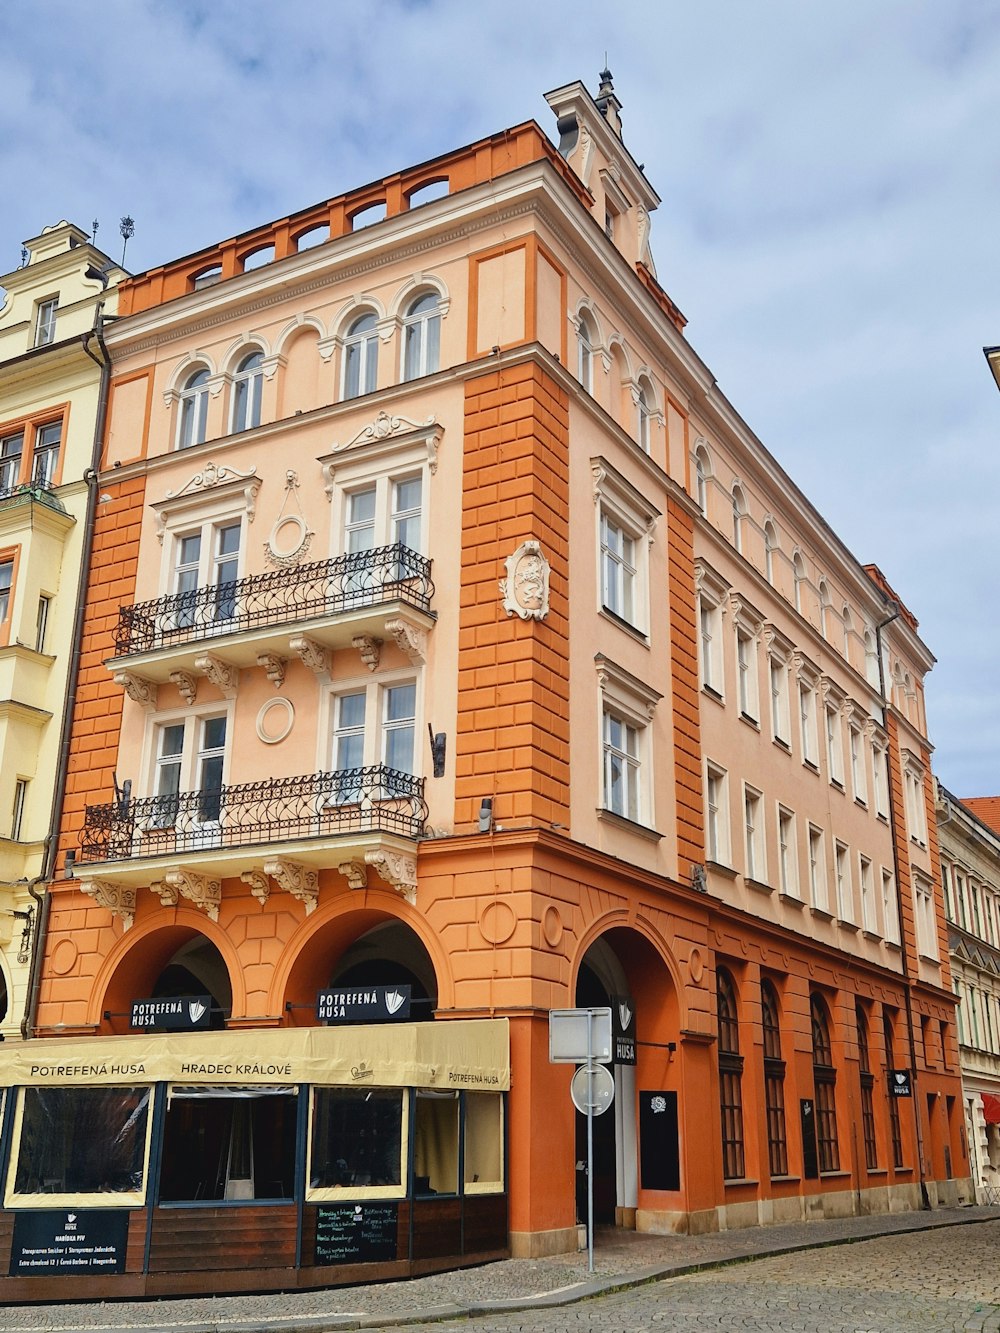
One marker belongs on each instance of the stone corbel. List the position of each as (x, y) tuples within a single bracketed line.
[(295, 878), (224, 676), (355, 872), (186, 684), (369, 648), (117, 899), (205, 893), (274, 668), (397, 869), (411, 639), (260, 885), (272, 363), (167, 893), (313, 654), (140, 690)]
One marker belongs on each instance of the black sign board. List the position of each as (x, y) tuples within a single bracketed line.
[(63, 1240), (363, 1004), (623, 1029), (180, 1011), (659, 1151), (356, 1233), (807, 1119), (899, 1083)]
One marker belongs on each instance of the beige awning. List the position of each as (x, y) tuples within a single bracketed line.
[(465, 1053)]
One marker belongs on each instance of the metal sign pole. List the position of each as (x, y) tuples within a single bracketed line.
[(590, 1147)]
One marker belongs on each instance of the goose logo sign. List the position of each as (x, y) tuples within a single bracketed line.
[(623, 1012), (178, 1012), (899, 1083), (363, 1004)]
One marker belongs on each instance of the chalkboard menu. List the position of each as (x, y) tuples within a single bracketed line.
[(62, 1240), (659, 1151), (356, 1233)]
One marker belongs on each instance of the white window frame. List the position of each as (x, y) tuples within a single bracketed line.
[(247, 381), (739, 514), (778, 665), (833, 732), (712, 595), (192, 753), (192, 412), (788, 853), (770, 547), (747, 626), (376, 728), (808, 725), (618, 503), (754, 835), (381, 465), (819, 888), (633, 703), (416, 330), (869, 905), (361, 349), (916, 813), (702, 475), (46, 312), (45, 453), (586, 345), (858, 751), (890, 906), (880, 773), (20, 804), (923, 903), (717, 832), (843, 883)]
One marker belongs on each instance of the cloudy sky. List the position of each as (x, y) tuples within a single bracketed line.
[(829, 224)]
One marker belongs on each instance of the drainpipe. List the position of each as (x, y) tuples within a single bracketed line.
[(895, 612), (44, 901)]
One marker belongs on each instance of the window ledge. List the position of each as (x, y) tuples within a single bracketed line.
[(713, 693), (877, 1171), (862, 805), (739, 1182), (792, 899), (785, 1180), (813, 767), (625, 625), (719, 868), (836, 782), (620, 821), (757, 884), (893, 944), (932, 962), (750, 721), (783, 744), (874, 936), (882, 816), (917, 843), (902, 1171), (822, 913), (852, 926), (835, 1175)]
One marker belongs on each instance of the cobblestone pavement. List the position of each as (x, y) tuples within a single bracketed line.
[(913, 1272)]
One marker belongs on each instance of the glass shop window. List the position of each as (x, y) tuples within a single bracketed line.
[(357, 1144), (228, 1143), (81, 1142), (483, 1143), (435, 1143)]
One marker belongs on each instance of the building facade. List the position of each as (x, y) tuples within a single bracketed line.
[(451, 641), (51, 369), (970, 871)]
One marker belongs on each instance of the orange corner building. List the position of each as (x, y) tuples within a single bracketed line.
[(454, 653)]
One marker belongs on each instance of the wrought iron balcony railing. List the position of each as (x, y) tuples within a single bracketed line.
[(326, 587), (31, 490), (317, 805)]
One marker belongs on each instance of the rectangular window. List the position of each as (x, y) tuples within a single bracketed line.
[(45, 456), (916, 814), (190, 755), (842, 876), (746, 670), (483, 1143), (710, 614), (45, 321), (753, 814), (859, 781), (817, 870), (359, 525), (81, 1147), (11, 449), (206, 567), (228, 1145), (41, 623), (716, 815), (780, 719), (618, 569), (869, 908), (357, 1144), (960, 900), (834, 746), (435, 1143), (374, 732), (17, 816), (881, 773), (621, 767), (807, 717), (6, 582), (788, 866), (406, 511), (923, 893)]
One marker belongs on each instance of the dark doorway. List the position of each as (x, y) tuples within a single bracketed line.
[(590, 994)]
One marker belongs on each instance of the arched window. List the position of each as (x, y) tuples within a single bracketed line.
[(824, 608), (867, 1084), (824, 1086), (774, 1081), (194, 410), (702, 472), (248, 383), (770, 546), (361, 357), (799, 573), (730, 1078), (644, 410), (585, 353), (848, 620), (897, 1137), (422, 337), (871, 659), (739, 513)]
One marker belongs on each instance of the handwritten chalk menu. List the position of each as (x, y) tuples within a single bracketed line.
[(63, 1240), (356, 1233)]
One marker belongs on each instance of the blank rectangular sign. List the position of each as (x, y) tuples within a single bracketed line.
[(659, 1153), (568, 1036)]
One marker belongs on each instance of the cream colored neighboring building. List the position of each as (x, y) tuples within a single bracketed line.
[(50, 391), (970, 868)]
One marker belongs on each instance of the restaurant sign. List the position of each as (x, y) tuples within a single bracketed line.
[(363, 1004), (61, 1240), (899, 1083), (178, 1013)]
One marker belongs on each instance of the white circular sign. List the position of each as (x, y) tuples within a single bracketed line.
[(592, 1089)]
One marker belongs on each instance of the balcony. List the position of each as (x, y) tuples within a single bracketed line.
[(282, 829), (329, 602)]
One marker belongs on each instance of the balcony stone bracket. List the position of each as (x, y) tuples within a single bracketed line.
[(203, 892), (119, 901), (295, 878), (410, 639), (138, 688), (260, 885), (186, 684), (313, 654), (167, 893), (355, 872), (397, 869), (273, 667), (224, 676), (370, 649)]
